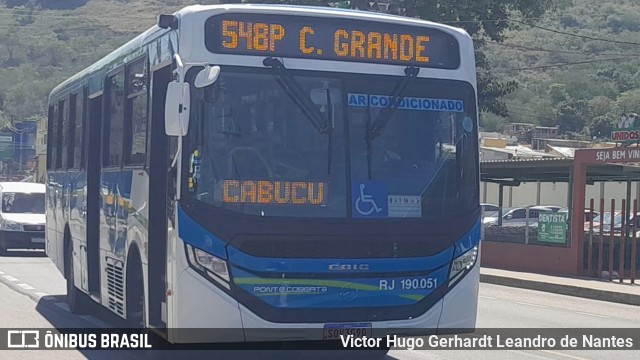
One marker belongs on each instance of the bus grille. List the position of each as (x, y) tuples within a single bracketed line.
[(115, 285), (27, 227)]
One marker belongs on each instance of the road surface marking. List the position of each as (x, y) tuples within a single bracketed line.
[(530, 304), (565, 355), (9, 277), (524, 353), (486, 297), (26, 286), (423, 353), (41, 294), (596, 315)]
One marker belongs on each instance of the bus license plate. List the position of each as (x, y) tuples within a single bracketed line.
[(333, 331), (37, 240)]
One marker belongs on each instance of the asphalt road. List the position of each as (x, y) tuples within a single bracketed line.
[(32, 294)]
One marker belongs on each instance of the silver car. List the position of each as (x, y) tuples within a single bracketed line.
[(517, 216)]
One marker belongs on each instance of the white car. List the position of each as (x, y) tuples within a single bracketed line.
[(22, 216)]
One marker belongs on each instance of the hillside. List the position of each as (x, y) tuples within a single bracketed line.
[(577, 68), (44, 44)]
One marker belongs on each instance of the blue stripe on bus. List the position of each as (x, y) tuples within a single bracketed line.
[(238, 258), (343, 292), (197, 236)]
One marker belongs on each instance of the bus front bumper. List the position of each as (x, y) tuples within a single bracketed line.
[(223, 319)]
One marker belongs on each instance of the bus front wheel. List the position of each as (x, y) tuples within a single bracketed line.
[(135, 293)]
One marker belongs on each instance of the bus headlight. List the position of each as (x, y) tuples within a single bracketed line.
[(214, 267), (10, 226), (463, 262)]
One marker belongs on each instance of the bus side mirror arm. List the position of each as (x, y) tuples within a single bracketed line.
[(175, 171)]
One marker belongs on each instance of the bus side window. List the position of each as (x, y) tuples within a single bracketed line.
[(76, 128), (52, 130), (60, 135), (70, 129), (113, 125), (136, 113)]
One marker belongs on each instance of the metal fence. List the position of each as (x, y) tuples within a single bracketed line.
[(611, 248)]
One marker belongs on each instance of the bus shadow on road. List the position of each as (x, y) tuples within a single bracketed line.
[(25, 253), (55, 310)]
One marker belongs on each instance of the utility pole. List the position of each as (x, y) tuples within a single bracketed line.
[(21, 149)]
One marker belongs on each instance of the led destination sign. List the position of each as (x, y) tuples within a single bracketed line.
[(331, 39), (269, 192)]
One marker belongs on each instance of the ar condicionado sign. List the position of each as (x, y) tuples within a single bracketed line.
[(274, 192)]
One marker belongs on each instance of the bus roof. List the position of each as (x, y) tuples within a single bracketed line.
[(189, 11), (318, 10), (321, 11)]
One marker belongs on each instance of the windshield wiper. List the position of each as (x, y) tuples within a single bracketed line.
[(375, 129), (329, 137), (296, 93), (397, 95)]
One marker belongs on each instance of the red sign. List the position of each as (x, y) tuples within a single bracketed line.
[(625, 135)]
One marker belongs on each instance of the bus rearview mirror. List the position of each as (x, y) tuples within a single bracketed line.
[(176, 114), (319, 96), (207, 76)]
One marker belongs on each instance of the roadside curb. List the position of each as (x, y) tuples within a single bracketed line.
[(611, 296), (13, 285)]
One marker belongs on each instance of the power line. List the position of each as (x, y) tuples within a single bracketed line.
[(521, 47), (565, 64), (575, 35), (68, 16)]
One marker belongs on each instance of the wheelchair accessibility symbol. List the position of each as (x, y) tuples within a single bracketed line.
[(369, 200)]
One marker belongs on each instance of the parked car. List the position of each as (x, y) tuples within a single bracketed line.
[(22, 216), (517, 217), (489, 209), (605, 219), (617, 222), (588, 214)]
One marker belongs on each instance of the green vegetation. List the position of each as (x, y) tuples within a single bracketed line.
[(43, 42), (571, 63), (578, 68)]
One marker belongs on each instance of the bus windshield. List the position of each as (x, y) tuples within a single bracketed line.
[(255, 149)]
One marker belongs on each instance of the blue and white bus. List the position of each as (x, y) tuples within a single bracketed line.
[(271, 167)]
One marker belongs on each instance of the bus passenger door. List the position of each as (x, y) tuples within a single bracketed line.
[(93, 131), (158, 206)]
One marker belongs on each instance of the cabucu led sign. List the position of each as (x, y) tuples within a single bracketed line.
[(406, 103)]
